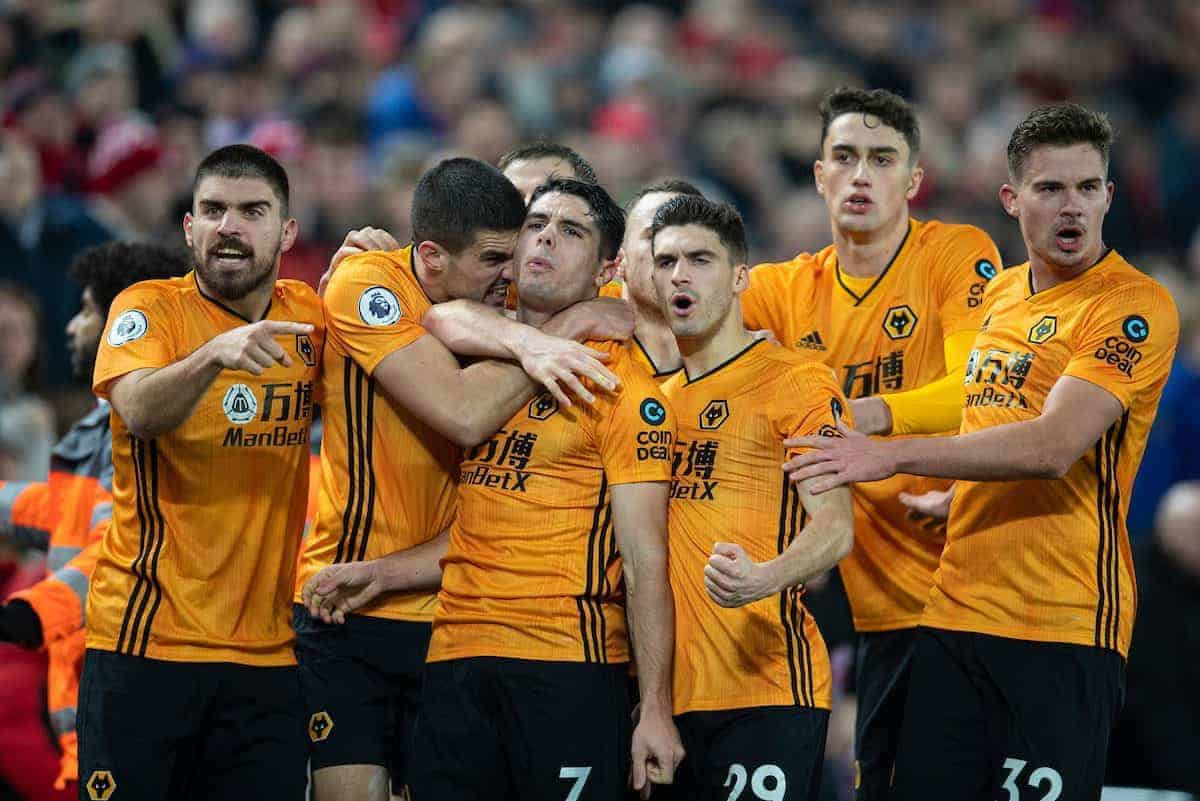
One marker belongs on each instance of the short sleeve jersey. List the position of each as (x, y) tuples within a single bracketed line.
[(199, 562), (533, 570), (728, 486), (1050, 560), (886, 338), (387, 479)]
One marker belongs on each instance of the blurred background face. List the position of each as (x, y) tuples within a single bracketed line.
[(638, 266), (19, 175), (1061, 201), (83, 335), (695, 279), (558, 253), (18, 338), (864, 174)]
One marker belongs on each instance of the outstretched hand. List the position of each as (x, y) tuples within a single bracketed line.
[(838, 461)]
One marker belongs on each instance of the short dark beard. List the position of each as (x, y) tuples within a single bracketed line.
[(242, 285), (83, 361)]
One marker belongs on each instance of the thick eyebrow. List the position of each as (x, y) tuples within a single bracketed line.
[(495, 254), (246, 206), (577, 223), (537, 216), (692, 255), (881, 150)]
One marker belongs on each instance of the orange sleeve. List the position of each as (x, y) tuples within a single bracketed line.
[(812, 404), (1126, 343), (635, 437), (60, 598), (27, 515), (140, 333), (765, 299), (967, 263), (370, 311)]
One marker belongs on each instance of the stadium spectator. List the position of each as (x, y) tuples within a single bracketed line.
[(26, 421)]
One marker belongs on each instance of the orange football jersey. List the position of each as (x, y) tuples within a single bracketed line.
[(1050, 560), (199, 562), (533, 570), (727, 486), (387, 479), (884, 337)]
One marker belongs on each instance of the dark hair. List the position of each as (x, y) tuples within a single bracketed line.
[(604, 211), (674, 186), (113, 267), (891, 109), (1059, 124), (459, 197), (541, 149), (246, 161), (720, 218)]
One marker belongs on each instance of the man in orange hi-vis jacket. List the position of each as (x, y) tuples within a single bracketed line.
[(69, 511)]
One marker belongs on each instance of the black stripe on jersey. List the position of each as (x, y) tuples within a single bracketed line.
[(143, 542), (160, 527), (369, 475), (351, 474), (359, 516), (1114, 517), (139, 617), (789, 634), (603, 551), (588, 608), (1102, 507), (804, 650)]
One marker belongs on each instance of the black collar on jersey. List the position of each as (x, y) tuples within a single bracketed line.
[(225, 308), (837, 270), (723, 364), (658, 372), (1029, 278)]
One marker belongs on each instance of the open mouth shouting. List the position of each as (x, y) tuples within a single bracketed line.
[(1069, 238), (682, 304)]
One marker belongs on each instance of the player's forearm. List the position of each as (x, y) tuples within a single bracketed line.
[(1030, 449), (414, 569), (156, 401), (651, 614), (821, 544), (492, 393), (931, 409), (469, 328)]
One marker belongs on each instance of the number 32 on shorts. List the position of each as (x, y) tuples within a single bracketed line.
[(766, 783), (1047, 779)]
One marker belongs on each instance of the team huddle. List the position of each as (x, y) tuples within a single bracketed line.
[(578, 463)]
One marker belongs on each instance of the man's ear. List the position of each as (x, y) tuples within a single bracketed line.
[(187, 228), (1010, 200), (608, 269), (433, 255)]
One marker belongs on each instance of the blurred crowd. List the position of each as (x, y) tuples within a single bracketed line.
[(108, 105)]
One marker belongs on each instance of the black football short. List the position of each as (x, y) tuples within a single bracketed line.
[(766, 752), (882, 668), (362, 683), (492, 729), (1009, 720), (154, 730)]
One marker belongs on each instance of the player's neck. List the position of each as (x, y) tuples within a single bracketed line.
[(867, 254), (252, 306), (655, 335), (429, 280), (704, 354), (1044, 274)]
